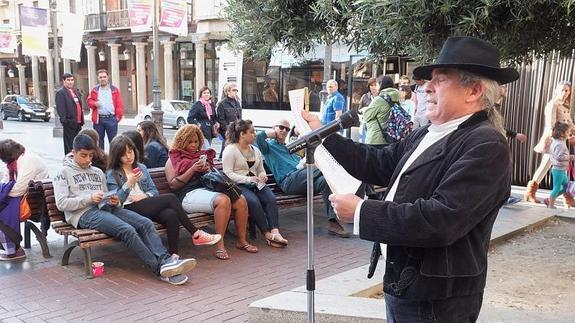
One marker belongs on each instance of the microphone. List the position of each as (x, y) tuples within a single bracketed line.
[(346, 120)]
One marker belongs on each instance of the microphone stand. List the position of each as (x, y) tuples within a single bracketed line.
[(310, 273)]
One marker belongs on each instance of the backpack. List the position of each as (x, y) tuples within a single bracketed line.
[(399, 123)]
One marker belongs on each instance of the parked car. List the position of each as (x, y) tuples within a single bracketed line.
[(24, 107), (175, 112)]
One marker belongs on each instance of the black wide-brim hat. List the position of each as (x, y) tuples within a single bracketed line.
[(471, 54)]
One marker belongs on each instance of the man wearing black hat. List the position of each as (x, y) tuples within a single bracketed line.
[(69, 107), (446, 182)]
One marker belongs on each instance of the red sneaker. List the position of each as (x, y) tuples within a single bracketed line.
[(206, 239), (19, 254)]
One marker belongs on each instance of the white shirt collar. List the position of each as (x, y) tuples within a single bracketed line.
[(449, 125)]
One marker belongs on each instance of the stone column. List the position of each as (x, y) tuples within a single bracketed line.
[(22, 79), (2, 81), (168, 70), (115, 64), (141, 74), (50, 79), (92, 77), (35, 79), (200, 65), (67, 67)]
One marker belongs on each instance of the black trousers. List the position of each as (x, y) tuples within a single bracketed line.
[(167, 210), (69, 135)]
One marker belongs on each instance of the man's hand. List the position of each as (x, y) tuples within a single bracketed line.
[(311, 119), (97, 197), (521, 137), (114, 200), (344, 206)]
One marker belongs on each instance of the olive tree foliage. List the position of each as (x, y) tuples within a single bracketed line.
[(258, 26), (416, 28)]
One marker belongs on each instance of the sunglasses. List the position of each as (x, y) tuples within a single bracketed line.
[(283, 128)]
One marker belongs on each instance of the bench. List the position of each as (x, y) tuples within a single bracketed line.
[(38, 207), (86, 238)]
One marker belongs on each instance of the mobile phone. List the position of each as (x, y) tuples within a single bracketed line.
[(203, 159), (136, 170)]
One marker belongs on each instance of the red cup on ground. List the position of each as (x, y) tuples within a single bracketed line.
[(97, 269)]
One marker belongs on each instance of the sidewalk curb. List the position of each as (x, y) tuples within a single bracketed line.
[(530, 227)]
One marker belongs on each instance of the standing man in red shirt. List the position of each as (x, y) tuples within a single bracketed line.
[(107, 107), (69, 108)]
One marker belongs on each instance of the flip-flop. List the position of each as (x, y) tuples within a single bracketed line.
[(222, 254), (248, 248)]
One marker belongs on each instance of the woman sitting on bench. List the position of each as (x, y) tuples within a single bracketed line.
[(138, 193), (183, 171), (243, 163), (23, 166)]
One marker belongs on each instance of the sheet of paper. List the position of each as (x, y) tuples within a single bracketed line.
[(338, 179)]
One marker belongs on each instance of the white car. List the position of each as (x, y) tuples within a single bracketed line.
[(175, 112)]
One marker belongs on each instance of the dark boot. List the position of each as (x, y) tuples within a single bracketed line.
[(530, 191)]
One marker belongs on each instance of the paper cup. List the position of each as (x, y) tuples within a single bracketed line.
[(97, 269)]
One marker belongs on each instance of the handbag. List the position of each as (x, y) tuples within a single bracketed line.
[(571, 183), (216, 181), (25, 210)]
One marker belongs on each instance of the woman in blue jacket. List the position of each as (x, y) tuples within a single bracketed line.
[(138, 193)]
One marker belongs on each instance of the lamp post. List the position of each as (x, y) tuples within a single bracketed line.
[(57, 131), (157, 113)]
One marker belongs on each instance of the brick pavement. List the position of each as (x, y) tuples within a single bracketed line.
[(219, 291)]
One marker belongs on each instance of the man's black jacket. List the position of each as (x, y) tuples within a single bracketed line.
[(439, 223)]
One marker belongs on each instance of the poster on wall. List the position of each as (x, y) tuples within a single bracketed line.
[(141, 13), (34, 23), (173, 18), (7, 39), (72, 35)]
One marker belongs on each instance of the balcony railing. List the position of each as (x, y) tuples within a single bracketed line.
[(92, 22), (118, 19)]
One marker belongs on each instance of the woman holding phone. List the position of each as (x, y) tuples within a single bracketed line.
[(138, 193)]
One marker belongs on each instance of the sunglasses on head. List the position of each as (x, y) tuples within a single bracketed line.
[(283, 128)]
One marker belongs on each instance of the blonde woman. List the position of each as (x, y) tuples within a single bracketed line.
[(228, 109), (558, 109), (183, 171)]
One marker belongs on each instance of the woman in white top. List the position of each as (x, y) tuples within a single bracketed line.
[(23, 166), (243, 163)]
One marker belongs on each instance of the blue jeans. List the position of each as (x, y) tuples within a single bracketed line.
[(560, 180), (135, 231), (459, 309), (296, 183), (262, 207), (106, 125)]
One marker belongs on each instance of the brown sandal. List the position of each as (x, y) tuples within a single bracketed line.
[(222, 254), (248, 248)]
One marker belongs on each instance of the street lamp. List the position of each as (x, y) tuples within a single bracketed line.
[(57, 131), (157, 113)]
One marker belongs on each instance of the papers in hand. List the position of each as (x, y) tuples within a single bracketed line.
[(106, 199), (338, 179)]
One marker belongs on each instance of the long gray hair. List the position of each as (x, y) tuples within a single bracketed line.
[(491, 94)]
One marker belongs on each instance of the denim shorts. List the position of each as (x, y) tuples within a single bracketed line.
[(200, 200)]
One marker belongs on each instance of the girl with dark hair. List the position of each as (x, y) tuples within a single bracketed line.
[(23, 166), (560, 159), (137, 192), (243, 163), (138, 143), (155, 146), (100, 159), (203, 114)]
